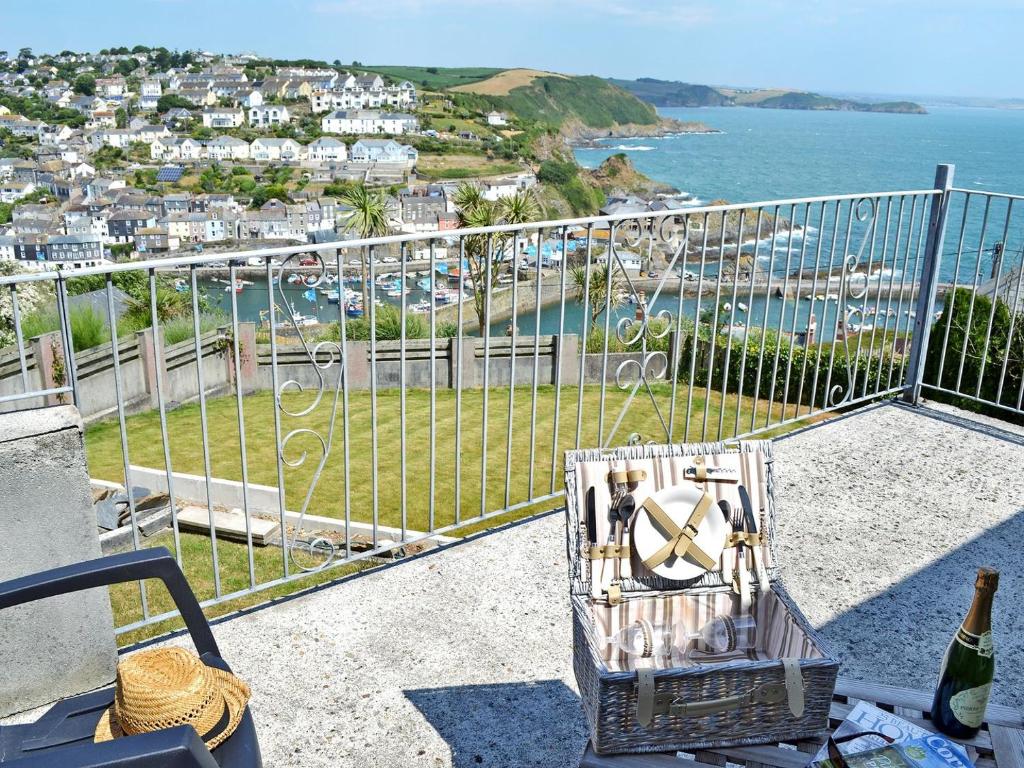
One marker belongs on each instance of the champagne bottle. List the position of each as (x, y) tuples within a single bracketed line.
[(965, 678)]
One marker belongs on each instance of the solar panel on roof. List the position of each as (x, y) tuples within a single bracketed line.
[(170, 173)]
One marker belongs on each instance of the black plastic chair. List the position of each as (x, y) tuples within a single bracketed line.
[(63, 737)]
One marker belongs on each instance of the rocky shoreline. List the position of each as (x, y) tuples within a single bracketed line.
[(579, 135)]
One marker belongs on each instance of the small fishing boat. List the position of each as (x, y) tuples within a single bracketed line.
[(181, 285), (294, 278), (239, 285), (420, 306), (354, 310), (424, 284), (309, 295)]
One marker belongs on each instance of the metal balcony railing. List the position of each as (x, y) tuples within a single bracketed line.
[(436, 387)]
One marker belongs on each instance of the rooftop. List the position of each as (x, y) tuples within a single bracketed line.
[(464, 656)]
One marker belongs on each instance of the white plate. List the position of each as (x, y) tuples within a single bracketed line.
[(679, 501)]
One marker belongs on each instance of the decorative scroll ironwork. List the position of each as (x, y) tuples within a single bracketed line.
[(864, 210), (322, 356), (633, 374)]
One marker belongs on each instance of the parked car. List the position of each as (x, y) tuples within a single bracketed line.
[(389, 260), (307, 262)]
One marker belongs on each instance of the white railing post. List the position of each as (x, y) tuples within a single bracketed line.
[(929, 284)]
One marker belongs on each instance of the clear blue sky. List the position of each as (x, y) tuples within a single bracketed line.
[(942, 47)]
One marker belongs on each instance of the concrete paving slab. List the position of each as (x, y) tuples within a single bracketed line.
[(463, 657)]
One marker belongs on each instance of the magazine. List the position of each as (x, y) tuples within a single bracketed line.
[(911, 745)]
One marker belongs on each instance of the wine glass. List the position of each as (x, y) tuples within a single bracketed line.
[(723, 634), (643, 639)]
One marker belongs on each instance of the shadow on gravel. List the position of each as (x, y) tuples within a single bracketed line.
[(899, 636), (506, 724)]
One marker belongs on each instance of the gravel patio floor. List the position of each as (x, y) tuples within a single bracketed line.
[(463, 657)]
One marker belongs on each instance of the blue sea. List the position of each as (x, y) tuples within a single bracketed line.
[(768, 154)]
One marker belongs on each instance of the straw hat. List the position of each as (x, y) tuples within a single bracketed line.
[(164, 687)]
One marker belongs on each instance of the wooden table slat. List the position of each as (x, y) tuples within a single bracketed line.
[(998, 714), (1000, 746), (1008, 746), (650, 760)]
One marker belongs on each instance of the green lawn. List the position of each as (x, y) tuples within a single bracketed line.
[(145, 448)]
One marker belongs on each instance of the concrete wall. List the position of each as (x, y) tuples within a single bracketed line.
[(293, 363), (11, 381), (65, 645), (139, 366)]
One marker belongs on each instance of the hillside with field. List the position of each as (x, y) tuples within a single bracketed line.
[(504, 82)]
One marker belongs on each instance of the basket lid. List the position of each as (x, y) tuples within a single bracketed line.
[(652, 469)]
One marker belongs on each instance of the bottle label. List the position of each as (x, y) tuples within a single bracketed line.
[(980, 644), (969, 706)]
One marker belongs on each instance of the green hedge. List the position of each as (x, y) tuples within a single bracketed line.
[(745, 355), (982, 362)]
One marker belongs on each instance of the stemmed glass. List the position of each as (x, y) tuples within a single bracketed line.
[(722, 634)]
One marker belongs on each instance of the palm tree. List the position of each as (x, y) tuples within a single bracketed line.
[(597, 294), (481, 250), (368, 217)]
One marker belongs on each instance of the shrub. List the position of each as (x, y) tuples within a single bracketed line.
[(180, 328), (557, 172), (388, 320), (980, 362)]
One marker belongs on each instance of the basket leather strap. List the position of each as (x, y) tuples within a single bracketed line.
[(645, 696), (608, 552), (680, 540), (794, 686), (627, 476), (650, 703), (741, 537)]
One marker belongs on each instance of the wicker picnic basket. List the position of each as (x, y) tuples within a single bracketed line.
[(778, 690)]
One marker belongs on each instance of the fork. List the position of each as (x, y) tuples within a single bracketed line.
[(742, 575)]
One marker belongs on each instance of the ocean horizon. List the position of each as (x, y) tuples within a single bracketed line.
[(768, 154)]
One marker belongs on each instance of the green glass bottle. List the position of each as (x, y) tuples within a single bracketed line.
[(965, 679)]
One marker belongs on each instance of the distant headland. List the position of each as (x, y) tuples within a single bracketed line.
[(671, 93)]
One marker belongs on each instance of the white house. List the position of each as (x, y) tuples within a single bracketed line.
[(225, 148), (250, 98), (10, 191), (368, 121), (326, 150), (508, 186), (383, 151), (54, 135), (222, 117), (147, 134), (176, 148), (271, 150), (149, 94), (268, 115), (112, 137), (496, 118)]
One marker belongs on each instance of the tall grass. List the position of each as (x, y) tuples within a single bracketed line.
[(181, 328), (88, 327)]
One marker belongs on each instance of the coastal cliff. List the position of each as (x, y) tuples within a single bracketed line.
[(670, 93)]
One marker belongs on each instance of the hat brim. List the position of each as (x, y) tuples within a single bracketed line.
[(236, 696)]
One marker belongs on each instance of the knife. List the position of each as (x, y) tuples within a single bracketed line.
[(726, 508), (714, 474), (748, 513)]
